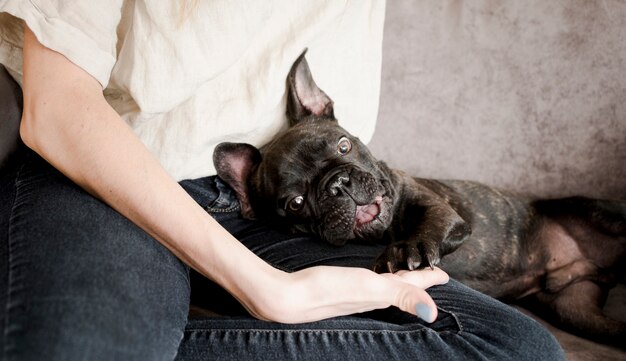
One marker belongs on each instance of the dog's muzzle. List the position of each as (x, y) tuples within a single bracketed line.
[(349, 200)]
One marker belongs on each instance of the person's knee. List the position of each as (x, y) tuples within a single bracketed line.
[(493, 330), (539, 341), (527, 339)]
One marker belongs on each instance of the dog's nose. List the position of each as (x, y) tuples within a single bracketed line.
[(337, 183)]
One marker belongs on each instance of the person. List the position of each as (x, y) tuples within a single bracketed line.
[(111, 221)]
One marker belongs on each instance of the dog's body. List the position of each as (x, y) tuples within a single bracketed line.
[(561, 255)]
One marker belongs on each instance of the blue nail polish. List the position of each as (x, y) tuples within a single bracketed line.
[(423, 312)]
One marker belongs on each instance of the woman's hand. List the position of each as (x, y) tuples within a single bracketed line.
[(321, 292)]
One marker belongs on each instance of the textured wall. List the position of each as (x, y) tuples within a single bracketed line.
[(526, 95)]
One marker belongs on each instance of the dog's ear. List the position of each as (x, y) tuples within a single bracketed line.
[(234, 163), (304, 99)]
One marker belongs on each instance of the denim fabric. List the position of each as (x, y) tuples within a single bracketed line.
[(81, 281)]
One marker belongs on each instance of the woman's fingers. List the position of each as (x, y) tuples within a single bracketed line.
[(411, 295), (322, 292), (423, 278)]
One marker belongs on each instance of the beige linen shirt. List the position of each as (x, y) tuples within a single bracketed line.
[(186, 83)]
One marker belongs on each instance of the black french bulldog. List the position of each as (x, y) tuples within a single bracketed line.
[(560, 255)]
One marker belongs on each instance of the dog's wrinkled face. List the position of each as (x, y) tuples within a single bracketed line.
[(324, 181), (315, 176)]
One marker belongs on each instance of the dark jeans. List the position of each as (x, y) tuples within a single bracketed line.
[(78, 281)]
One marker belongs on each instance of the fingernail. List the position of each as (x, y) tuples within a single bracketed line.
[(423, 312)]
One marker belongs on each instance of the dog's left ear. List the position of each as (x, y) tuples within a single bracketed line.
[(305, 100), (234, 163)]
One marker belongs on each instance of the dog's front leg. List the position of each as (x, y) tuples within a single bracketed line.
[(428, 232)]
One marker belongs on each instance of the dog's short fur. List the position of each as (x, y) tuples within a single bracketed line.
[(561, 255)]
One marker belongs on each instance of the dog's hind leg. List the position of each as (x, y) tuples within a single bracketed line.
[(577, 308), (595, 230), (584, 244)]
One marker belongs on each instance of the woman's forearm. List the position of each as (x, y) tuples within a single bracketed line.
[(68, 122)]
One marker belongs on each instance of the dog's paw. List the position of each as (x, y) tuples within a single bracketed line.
[(407, 256)]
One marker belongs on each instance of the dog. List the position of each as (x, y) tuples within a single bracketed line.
[(559, 256)]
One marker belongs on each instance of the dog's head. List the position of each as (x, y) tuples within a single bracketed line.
[(315, 177)]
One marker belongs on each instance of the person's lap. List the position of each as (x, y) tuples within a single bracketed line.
[(81, 280), (470, 325)]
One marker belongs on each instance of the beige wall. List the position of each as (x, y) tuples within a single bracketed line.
[(526, 95)]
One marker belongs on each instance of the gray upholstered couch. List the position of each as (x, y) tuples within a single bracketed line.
[(525, 95)]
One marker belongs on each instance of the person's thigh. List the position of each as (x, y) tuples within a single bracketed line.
[(470, 325), (81, 281)]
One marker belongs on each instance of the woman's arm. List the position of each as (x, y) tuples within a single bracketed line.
[(69, 123)]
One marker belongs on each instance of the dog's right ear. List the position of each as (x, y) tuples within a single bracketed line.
[(305, 100), (234, 163)]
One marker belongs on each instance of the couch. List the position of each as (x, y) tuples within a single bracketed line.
[(525, 95)]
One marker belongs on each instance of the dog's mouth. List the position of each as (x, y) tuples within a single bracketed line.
[(367, 213), (361, 210)]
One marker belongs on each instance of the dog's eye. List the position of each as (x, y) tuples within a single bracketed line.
[(344, 146), (296, 203)]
